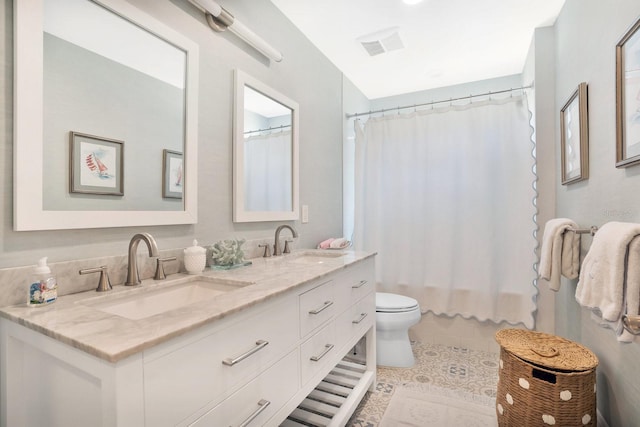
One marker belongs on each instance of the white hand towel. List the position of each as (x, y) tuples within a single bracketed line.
[(339, 243), (601, 284), (560, 253)]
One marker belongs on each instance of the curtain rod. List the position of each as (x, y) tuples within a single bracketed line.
[(384, 110), (270, 128)]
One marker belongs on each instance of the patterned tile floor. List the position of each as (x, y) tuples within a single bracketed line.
[(455, 368)]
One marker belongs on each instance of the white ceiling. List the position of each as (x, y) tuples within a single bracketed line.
[(447, 42)]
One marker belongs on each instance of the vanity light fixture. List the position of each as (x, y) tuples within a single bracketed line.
[(220, 19)]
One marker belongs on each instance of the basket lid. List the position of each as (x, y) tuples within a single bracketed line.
[(546, 350)]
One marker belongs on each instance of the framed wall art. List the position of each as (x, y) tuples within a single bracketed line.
[(628, 98), (574, 137), (96, 165), (172, 174)]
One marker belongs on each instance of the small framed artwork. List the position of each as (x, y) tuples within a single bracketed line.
[(628, 98), (574, 137), (96, 165), (172, 174)]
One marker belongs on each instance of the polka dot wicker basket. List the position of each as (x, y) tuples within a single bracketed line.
[(544, 380)]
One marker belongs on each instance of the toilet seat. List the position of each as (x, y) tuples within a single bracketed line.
[(393, 303)]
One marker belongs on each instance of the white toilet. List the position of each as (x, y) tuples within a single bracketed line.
[(395, 314)]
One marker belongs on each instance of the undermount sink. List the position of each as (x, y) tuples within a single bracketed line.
[(145, 303), (314, 257)]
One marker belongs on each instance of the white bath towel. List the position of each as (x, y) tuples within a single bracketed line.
[(560, 253), (602, 277)]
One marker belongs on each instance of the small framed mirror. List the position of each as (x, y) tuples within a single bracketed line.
[(574, 138), (265, 153)]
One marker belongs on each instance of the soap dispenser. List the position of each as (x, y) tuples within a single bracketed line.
[(43, 287), (195, 258)]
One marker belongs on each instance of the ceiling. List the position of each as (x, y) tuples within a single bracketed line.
[(446, 42)]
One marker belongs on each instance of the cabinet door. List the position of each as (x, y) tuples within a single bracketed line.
[(317, 306), (259, 400), (356, 320), (318, 352), (191, 377), (354, 283)]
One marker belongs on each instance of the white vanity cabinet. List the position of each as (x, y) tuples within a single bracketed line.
[(253, 367)]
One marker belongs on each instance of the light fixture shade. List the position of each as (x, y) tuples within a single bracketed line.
[(254, 40), (237, 28), (208, 6)]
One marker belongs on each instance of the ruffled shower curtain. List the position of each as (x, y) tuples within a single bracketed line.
[(447, 199), (268, 172)]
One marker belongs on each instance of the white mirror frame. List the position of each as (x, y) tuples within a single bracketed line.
[(28, 128), (240, 214)]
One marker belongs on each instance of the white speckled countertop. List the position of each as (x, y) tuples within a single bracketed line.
[(73, 321)]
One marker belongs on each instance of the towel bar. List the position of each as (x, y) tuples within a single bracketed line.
[(631, 324), (592, 230)]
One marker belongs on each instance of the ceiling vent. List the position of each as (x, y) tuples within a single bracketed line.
[(382, 41)]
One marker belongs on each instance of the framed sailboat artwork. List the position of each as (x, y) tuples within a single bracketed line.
[(96, 165), (172, 174)]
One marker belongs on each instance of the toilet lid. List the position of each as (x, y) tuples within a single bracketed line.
[(393, 303)]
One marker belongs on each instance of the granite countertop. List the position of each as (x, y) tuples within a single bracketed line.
[(74, 321)]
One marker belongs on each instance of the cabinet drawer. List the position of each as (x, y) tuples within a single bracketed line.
[(317, 352), (200, 372), (356, 320), (317, 306), (353, 284), (259, 400)]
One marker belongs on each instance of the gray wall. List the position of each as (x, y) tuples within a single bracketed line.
[(445, 93), (304, 75), (586, 34)]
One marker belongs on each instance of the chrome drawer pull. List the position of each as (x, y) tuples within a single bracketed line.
[(260, 344), (360, 319), (262, 406), (359, 285), (326, 305), (327, 349)]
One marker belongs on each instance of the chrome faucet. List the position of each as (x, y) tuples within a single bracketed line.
[(133, 277), (276, 245)]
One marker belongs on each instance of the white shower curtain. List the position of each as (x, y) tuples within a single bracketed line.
[(446, 198), (268, 166)]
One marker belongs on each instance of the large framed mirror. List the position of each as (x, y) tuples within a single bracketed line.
[(102, 92), (265, 153)]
